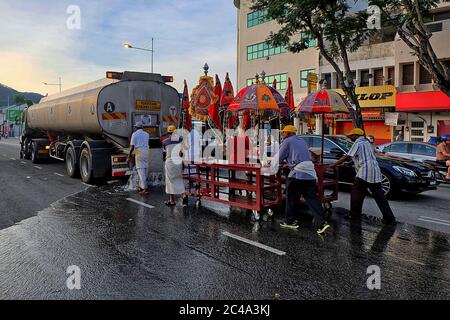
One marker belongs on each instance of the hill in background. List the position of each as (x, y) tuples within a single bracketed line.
[(6, 92)]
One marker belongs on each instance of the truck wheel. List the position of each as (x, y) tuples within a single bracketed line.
[(71, 167), (34, 152), (86, 166)]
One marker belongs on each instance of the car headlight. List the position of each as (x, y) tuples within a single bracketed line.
[(405, 171)]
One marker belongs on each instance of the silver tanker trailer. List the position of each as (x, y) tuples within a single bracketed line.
[(89, 127)]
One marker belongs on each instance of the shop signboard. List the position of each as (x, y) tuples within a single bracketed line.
[(391, 118)]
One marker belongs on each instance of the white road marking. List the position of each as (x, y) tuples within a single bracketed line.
[(28, 177), (37, 167), (13, 159), (90, 186), (59, 175), (23, 162), (435, 219), (141, 203), (253, 243), (436, 222)]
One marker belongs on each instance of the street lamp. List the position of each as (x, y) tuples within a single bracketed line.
[(55, 84), (129, 46)]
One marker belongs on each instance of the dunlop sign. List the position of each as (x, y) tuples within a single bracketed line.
[(377, 96), (148, 105)]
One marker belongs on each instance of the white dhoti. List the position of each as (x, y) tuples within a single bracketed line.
[(142, 163), (174, 177)]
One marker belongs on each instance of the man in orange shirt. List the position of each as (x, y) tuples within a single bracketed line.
[(443, 154)]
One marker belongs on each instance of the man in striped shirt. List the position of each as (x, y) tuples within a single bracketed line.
[(368, 176)]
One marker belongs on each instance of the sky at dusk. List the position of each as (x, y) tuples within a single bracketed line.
[(36, 45)]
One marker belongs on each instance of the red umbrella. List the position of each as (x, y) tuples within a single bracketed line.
[(325, 102), (187, 119)]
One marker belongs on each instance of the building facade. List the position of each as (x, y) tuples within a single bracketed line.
[(255, 55), (390, 81), (424, 110)]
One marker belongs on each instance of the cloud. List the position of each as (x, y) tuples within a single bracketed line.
[(36, 46)]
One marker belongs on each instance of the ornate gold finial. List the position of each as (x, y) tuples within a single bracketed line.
[(257, 78), (263, 77)]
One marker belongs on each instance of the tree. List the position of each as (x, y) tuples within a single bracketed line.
[(337, 29), (409, 16), (19, 99)]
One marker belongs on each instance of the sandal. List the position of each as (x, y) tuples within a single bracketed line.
[(170, 204)]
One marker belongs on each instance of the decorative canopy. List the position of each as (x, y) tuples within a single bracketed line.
[(203, 97)]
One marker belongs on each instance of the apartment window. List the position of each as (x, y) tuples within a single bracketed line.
[(434, 27), (424, 76), (378, 77), (408, 74), (391, 76), (257, 17), (262, 50), (304, 77), (281, 80), (365, 78), (327, 78), (310, 41)]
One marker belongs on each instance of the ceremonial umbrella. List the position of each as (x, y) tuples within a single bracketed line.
[(186, 121), (259, 99), (214, 110), (325, 102), (227, 98)]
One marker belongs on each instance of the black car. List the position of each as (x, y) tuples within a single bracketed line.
[(398, 174)]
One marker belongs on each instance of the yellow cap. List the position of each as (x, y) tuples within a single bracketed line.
[(356, 132), (171, 129), (290, 129)]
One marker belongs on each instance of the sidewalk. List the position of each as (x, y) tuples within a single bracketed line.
[(10, 141)]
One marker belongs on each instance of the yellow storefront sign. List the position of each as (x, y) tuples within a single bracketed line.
[(148, 105), (376, 96)]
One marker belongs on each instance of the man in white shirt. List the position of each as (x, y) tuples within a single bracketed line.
[(368, 176), (140, 146)]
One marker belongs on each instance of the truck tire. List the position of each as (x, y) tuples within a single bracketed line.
[(34, 151), (86, 166), (72, 169)]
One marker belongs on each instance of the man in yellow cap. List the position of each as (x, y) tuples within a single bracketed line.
[(368, 176), (302, 179), (173, 166)]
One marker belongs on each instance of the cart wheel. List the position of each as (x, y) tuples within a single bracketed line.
[(198, 204), (255, 215)]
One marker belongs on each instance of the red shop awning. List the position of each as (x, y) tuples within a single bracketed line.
[(422, 101)]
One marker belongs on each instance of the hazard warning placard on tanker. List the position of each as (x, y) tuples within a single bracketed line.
[(148, 105)]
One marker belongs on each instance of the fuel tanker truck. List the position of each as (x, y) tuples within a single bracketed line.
[(89, 127)]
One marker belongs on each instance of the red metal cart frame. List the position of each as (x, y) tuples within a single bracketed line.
[(226, 183)]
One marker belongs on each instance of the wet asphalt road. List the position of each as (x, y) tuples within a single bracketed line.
[(130, 251), (25, 189)]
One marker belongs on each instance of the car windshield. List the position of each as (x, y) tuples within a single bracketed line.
[(342, 142)]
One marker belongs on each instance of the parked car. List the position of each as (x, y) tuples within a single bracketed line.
[(418, 151), (398, 174)]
